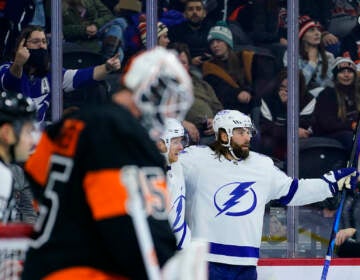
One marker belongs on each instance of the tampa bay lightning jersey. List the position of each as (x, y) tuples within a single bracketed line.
[(176, 188), (226, 200), (39, 89)]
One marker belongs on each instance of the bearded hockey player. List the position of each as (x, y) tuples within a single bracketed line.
[(227, 188)]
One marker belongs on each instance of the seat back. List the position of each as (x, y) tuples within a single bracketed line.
[(76, 58), (317, 155)]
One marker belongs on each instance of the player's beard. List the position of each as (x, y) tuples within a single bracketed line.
[(239, 151)]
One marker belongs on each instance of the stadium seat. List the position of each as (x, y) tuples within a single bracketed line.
[(75, 57), (318, 155)]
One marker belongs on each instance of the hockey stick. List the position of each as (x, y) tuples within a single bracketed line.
[(130, 177), (336, 223)]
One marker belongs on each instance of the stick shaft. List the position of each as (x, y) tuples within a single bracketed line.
[(336, 223)]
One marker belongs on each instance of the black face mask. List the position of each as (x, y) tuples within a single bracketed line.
[(39, 60)]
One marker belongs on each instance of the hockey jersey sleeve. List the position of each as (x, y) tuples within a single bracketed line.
[(76, 78), (7, 80), (297, 192), (72, 79)]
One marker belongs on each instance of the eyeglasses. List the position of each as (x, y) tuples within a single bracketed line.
[(37, 41)]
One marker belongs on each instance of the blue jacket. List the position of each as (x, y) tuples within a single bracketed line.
[(39, 89)]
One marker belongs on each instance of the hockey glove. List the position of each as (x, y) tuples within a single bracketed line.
[(338, 179)]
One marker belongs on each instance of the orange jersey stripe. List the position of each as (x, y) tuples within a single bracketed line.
[(37, 166), (65, 144), (82, 273), (105, 193)]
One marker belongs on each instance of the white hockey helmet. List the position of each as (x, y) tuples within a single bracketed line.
[(173, 128), (162, 88), (230, 119)]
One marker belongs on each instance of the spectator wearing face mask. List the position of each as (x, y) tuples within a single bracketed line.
[(29, 72), (337, 108)]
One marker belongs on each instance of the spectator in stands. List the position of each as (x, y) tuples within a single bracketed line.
[(319, 11), (91, 24), (29, 72), (193, 31), (273, 119), (337, 108), (314, 61), (162, 33), (225, 71), (206, 104)]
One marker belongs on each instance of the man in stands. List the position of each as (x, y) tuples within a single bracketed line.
[(29, 72), (193, 31)]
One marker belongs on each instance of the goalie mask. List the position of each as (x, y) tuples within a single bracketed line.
[(162, 88)]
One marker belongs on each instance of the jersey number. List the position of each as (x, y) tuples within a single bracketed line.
[(149, 185), (61, 168)]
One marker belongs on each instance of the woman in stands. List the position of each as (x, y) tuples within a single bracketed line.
[(337, 108), (273, 117), (314, 61)]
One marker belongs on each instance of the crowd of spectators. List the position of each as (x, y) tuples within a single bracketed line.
[(224, 48)]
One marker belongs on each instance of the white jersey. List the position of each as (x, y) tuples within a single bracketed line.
[(176, 187), (226, 200), (6, 182)]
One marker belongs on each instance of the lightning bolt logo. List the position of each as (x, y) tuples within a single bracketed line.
[(239, 191), (179, 225), (179, 209)]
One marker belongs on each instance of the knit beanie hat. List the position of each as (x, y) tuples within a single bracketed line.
[(341, 63), (305, 23), (221, 32), (161, 30)]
